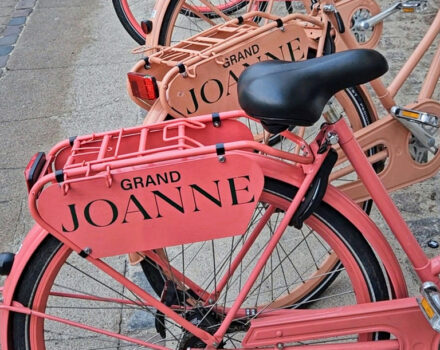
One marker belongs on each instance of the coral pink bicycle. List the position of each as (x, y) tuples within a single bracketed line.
[(170, 21), (233, 258)]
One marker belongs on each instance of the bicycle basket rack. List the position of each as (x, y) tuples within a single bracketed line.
[(199, 74), (91, 189)]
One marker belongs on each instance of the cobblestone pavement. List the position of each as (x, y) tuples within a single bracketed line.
[(13, 16)]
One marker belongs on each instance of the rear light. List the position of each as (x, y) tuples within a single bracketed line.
[(33, 169), (143, 86)]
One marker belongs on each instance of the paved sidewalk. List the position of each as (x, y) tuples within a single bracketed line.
[(13, 17), (65, 77)]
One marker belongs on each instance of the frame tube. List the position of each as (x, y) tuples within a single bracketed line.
[(415, 57), (384, 203)]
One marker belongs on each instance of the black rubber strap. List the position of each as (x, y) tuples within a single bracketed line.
[(83, 254), (59, 175), (220, 149), (72, 140), (182, 68), (279, 22), (216, 120), (240, 19), (147, 62)]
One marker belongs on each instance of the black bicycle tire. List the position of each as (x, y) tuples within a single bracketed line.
[(128, 26)]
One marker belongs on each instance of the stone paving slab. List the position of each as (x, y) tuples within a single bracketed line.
[(13, 16), (55, 88)]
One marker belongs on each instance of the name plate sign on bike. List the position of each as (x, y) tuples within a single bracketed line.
[(214, 83), (147, 199), (143, 198)]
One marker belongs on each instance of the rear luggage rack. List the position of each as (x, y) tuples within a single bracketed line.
[(98, 154), (90, 186), (197, 75)]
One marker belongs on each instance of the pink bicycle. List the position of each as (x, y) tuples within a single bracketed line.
[(234, 235), (169, 21)]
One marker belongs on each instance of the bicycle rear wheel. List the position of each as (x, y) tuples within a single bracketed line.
[(63, 284)]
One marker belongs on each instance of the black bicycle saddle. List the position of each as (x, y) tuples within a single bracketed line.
[(282, 93)]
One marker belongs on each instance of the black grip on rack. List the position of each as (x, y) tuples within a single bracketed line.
[(220, 149), (72, 140), (216, 120), (182, 68), (59, 175), (147, 62)]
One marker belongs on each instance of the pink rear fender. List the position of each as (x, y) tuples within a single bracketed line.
[(156, 17)]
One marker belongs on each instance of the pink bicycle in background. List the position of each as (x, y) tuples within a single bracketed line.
[(244, 246), (168, 22)]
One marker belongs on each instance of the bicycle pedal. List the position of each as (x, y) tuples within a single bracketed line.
[(413, 6), (415, 116), (430, 304), (423, 126)]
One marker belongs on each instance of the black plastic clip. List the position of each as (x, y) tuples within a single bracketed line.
[(280, 24), (316, 191), (240, 19), (147, 62), (323, 146), (83, 254), (59, 175), (220, 150), (329, 42), (182, 69), (216, 120), (72, 140)]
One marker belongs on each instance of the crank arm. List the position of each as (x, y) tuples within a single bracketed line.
[(405, 6)]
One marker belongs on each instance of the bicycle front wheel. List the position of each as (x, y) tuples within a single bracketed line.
[(63, 284)]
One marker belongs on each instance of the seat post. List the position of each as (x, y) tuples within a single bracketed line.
[(332, 115)]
